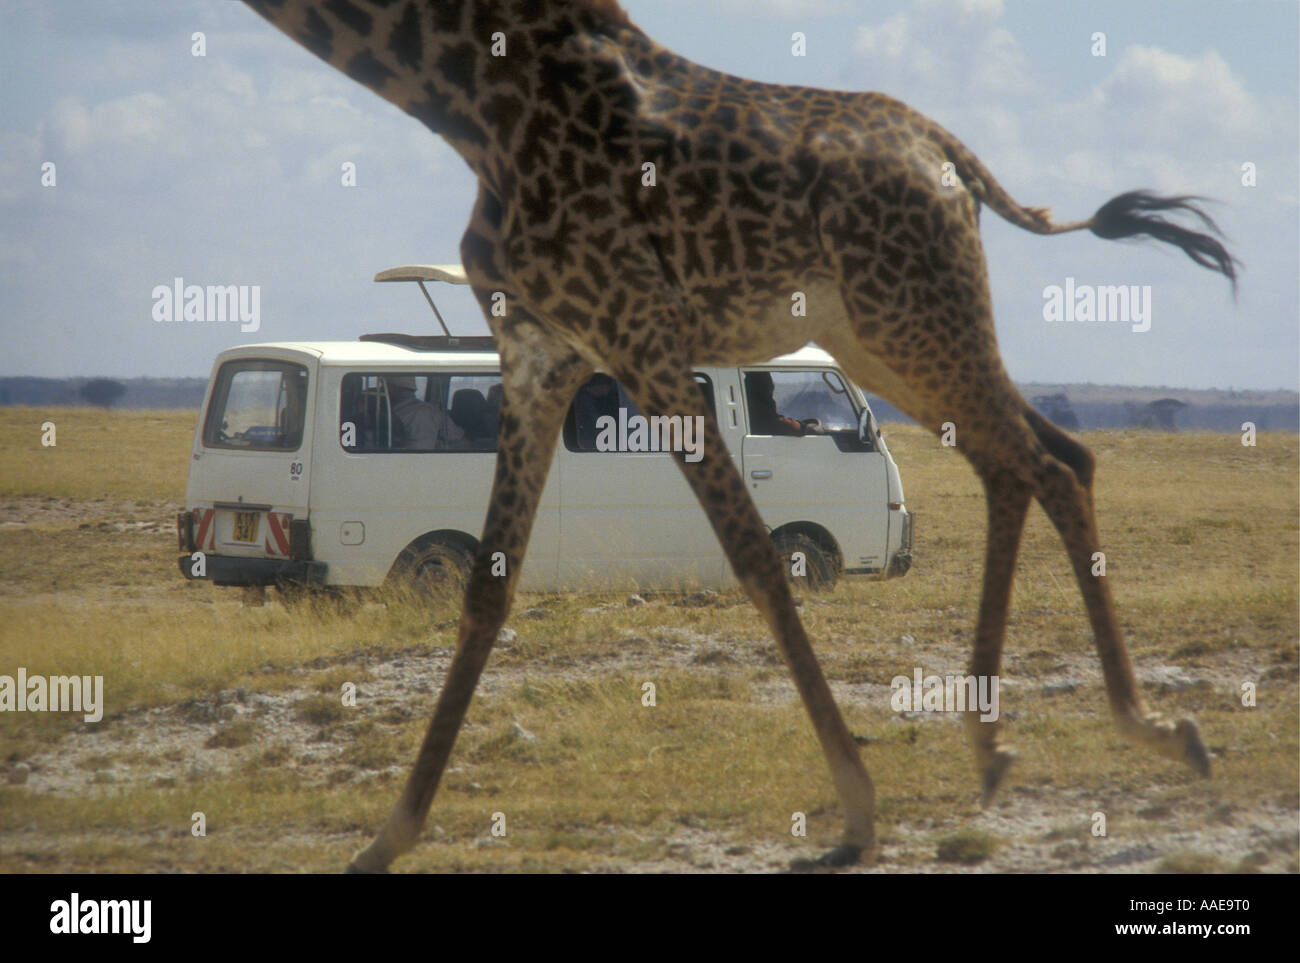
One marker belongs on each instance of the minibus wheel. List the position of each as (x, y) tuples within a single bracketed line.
[(819, 568), (433, 568)]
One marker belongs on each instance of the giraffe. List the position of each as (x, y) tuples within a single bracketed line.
[(640, 213)]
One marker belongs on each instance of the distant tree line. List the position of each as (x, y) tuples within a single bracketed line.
[(1160, 414), (105, 392)]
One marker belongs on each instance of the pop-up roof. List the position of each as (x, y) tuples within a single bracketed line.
[(419, 273), (451, 273)]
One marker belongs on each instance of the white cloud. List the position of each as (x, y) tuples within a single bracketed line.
[(952, 46), (1173, 121), (1176, 98), (139, 120), (198, 128)]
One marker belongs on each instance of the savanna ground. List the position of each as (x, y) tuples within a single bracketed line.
[(233, 709)]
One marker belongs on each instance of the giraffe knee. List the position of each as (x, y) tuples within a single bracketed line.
[(1063, 448)]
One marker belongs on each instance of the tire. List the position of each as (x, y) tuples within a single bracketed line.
[(820, 567), (432, 569)]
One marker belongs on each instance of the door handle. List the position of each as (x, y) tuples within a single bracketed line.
[(760, 474)]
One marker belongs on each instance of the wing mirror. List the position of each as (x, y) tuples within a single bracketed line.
[(867, 428)]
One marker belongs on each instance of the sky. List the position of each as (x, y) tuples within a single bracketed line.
[(227, 169)]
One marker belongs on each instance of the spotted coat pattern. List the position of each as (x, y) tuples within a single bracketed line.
[(642, 213)]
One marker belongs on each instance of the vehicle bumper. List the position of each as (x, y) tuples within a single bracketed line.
[(234, 570)]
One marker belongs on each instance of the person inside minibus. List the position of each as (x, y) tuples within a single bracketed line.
[(425, 427), (764, 419)]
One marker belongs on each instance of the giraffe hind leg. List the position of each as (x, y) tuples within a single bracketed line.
[(1065, 492), (997, 430)]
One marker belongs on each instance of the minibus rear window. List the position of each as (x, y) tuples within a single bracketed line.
[(258, 405)]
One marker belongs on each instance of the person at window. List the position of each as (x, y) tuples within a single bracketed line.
[(425, 427), (764, 419)]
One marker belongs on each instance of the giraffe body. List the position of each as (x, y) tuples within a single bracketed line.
[(641, 213)]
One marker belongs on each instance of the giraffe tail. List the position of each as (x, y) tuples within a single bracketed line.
[(1132, 214), (1136, 213)]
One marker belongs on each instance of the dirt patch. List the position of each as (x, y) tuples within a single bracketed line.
[(237, 728), (145, 517)]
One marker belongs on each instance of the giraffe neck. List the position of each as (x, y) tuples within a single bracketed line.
[(476, 72)]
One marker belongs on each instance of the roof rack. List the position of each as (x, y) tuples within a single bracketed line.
[(435, 342)]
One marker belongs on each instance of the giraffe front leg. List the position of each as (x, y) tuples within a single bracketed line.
[(718, 485), (1008, 504), (538, 381)]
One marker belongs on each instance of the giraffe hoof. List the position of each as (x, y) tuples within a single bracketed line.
[(355, 870), (1194, 751), (366, 862), (840, 856), (993, 773)]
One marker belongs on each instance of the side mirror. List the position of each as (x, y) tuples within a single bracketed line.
[(867, 428)]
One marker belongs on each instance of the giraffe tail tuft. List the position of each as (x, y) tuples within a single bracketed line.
[(1133, 214), (1137, 213)]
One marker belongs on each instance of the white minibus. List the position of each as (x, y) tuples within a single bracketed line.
[(364, 462)]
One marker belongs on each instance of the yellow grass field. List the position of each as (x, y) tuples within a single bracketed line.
[(218, 706)]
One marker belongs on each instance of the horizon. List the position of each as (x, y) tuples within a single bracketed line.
[(1020, 384)]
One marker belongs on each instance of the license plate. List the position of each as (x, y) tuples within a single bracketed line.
[(246, 526)]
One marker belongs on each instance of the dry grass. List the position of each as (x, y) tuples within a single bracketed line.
[(1202, 542), (99, 454)]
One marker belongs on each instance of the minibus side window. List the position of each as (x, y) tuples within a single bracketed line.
[(602, 396), (422, 412), (257, 405), (474, 403)]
